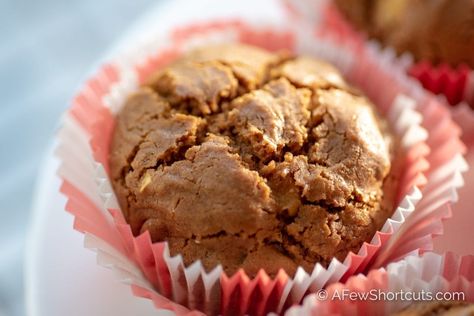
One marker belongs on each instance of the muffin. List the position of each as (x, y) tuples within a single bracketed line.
[(435, 31), (444, 308), (249, 159)]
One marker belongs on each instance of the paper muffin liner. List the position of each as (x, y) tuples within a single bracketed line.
[(454, 83), (450, 275), (433, 165), (455, 86)]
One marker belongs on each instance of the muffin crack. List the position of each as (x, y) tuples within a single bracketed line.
[(249, 159)]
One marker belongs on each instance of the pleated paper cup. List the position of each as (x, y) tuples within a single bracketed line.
[(453, 85), (431, 174), (417, 279)]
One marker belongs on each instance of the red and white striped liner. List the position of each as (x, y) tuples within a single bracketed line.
[(433, 159), (454, 86), (431, 273)]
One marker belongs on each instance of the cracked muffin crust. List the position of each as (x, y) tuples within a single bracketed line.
[(249, 159)]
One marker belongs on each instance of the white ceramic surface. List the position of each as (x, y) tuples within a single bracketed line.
[(62, 277)]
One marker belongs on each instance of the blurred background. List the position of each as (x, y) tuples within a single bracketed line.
[(46, 49)]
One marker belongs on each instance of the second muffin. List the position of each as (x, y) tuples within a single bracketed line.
[(436, 31)]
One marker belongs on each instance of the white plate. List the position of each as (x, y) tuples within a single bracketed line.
[(62, 277)]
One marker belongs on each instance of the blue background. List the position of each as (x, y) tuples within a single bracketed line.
[(46, 49)]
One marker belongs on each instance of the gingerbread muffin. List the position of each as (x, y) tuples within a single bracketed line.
[(436, 31), (443, 308), (249, 159)]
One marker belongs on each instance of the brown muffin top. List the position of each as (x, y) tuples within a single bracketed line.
[(240, 157), (438, 308), (437, 31)]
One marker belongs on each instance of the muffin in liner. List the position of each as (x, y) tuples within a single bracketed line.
[(454, 85), (445, 276), (432, 159)]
